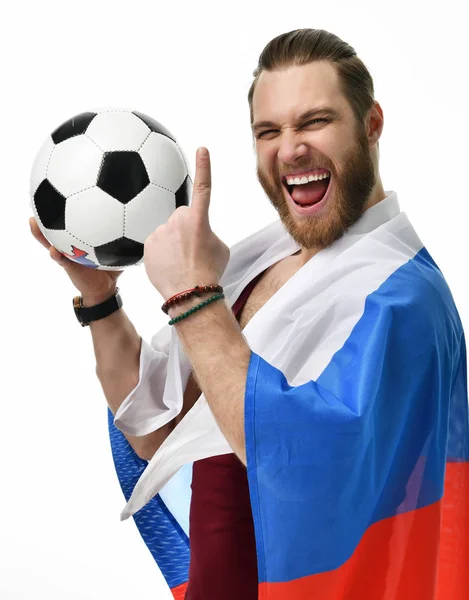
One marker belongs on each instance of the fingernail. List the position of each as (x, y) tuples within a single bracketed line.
[(203, 152)]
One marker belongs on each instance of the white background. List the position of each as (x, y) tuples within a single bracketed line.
[(189, 65)]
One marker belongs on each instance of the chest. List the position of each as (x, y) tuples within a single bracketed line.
[(272, 280)]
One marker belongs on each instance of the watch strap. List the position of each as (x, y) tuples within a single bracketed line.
[(88, 314)]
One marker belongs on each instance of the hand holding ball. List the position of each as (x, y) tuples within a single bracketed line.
[(103, 182)]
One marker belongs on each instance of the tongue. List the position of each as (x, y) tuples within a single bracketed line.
[(310, 193)]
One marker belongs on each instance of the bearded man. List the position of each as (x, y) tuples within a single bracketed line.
[(308, 437)]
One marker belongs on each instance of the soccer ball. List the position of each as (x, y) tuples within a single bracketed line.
[(103, 181)]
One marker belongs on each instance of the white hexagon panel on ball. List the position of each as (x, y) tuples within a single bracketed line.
[(164, 161), (147, 211), (118, 130), (74, 165), (73, 248), (94, 217)]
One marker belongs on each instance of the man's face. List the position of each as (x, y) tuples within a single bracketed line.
[(334, 143)]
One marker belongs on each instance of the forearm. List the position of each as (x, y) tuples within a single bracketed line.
[(117, 348), (220, 357)]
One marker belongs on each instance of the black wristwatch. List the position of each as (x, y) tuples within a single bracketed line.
[(86, 314)]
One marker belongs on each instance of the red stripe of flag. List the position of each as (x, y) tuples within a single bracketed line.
[(397, 558)]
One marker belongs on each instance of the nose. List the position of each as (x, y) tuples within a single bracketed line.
[(292, 147)]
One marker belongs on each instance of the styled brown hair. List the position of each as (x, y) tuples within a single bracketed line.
[(303, 46)]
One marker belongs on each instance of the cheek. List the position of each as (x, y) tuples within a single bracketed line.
[(264, 157), (328, 146), (332, 143)]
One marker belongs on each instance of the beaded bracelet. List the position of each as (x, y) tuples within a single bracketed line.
[(196, 308), (188, 294)]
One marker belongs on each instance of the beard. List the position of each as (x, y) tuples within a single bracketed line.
[(352, 189)]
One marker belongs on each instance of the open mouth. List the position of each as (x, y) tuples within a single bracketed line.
[(308, 193)]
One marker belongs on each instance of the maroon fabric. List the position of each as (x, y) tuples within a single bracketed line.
[(223, 562)]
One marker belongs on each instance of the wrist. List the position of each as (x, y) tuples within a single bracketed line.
[(97, 307), (182, 307), (196, 311), (94, 299)]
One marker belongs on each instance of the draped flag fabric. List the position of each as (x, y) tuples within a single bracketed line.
[(356, 424)]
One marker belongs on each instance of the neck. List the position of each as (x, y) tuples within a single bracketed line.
[(377, 194)]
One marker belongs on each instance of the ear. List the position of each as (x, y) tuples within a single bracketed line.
[(375, 123)]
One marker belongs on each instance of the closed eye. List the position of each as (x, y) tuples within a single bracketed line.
[(263, 133), (311, 122)]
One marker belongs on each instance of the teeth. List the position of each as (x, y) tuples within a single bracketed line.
[(304, 179)]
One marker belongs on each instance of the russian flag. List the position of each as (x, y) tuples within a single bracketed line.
[(358, 479)]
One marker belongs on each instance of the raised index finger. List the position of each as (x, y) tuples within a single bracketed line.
[(202, 184)]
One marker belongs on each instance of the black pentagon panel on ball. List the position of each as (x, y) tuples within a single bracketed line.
[(50, 206), (183, 194), (119, 253), (74, 126), (154, 125), (123, 175)]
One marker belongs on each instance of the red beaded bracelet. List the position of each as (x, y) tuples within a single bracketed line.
[(188, 294)]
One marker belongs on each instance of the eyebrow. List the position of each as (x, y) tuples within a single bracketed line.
[(306, 115)]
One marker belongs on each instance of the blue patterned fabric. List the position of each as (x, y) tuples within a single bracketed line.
[(167, 542)]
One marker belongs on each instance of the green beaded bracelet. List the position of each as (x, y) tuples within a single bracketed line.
[(196, 308)]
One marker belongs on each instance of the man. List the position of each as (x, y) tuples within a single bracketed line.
[(338, 377)]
